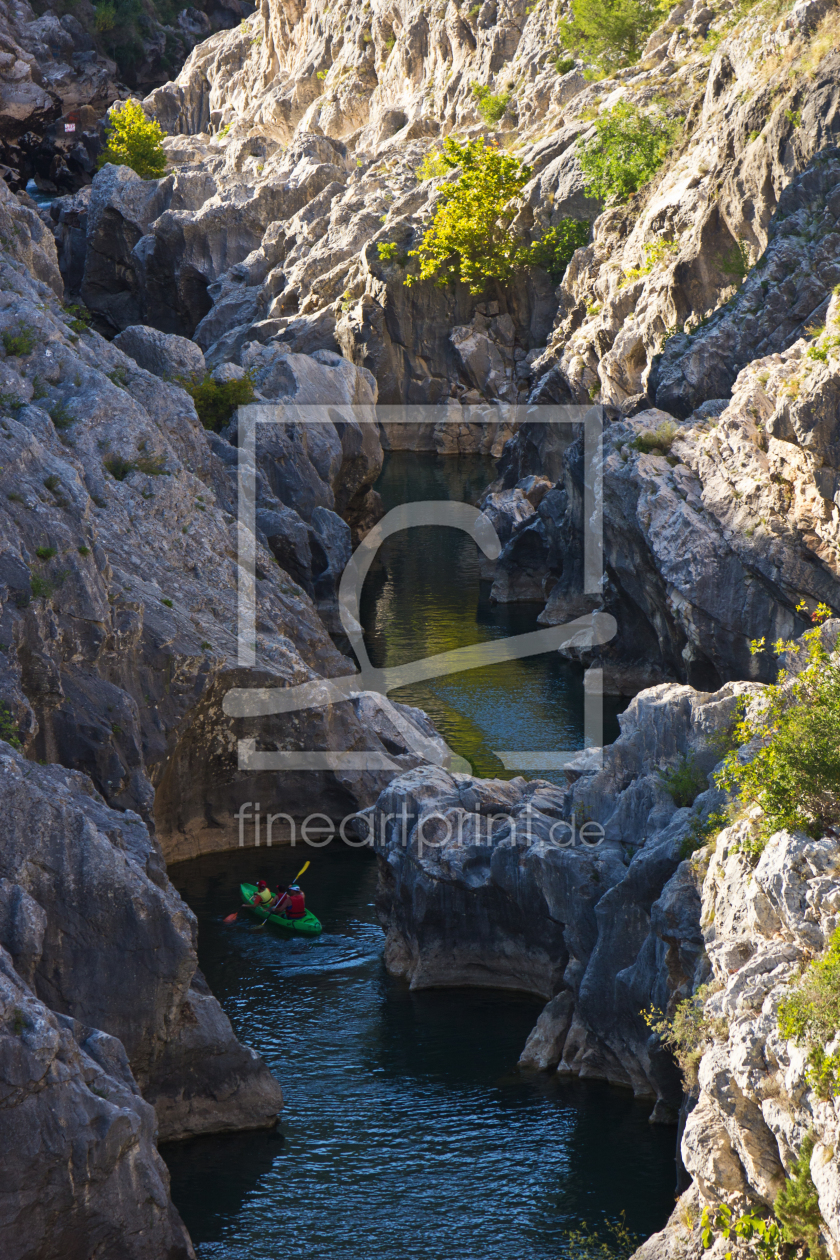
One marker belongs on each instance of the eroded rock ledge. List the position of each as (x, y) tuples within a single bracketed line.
[(480, 885)]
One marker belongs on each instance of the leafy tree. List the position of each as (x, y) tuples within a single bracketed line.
[(135, 141), (611, 33), (553, 251), (628, 148), (470, 238)]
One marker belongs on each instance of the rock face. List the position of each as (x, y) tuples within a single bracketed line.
[(715, 531), (81, 881), (132, 505), (753, 1105), (502, 884), (49, 69), (81, 1162)]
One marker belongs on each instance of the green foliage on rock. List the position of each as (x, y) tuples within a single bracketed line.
[(612, 1241), (797, 1207), (659, 440), (491, 106), (611, 33), (628, 148), (216, 401), (471, 237), (762, 1236), (20, 343), (8, 729), (134, 140), (810, 1016), (553, 251), (793, 774), (684, 781), (687, 1031)]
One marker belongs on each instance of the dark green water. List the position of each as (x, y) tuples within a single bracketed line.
[(427, 597), (407, 1130)]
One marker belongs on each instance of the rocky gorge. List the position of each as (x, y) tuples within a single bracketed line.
[(701, 319)]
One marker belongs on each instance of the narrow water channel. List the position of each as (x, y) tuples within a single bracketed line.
[(408, 1131), (427, 597)]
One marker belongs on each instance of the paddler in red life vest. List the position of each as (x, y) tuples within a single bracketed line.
[(290, 902), (263, 894)]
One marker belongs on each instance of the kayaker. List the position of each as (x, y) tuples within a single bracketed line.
[(296, 908), (280, 900), (263, 894)]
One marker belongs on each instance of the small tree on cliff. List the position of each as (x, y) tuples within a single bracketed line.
[(133, 140), (471, 237)]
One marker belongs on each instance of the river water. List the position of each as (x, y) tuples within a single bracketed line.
[(408, 1131)]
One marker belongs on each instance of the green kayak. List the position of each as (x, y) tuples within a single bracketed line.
[(307, 926)]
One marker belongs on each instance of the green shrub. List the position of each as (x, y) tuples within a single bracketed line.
[(105, 19), (42, 588), (794, 772), (20, 343), (492, 107), (45, 553), (8, 730), (83, 550), (735, 261), (216, 401), (763, 1236), (613, 1241), (80, 317), (470, 238), (700, 833), (688, 1030), (564, 64), (655, 252), (387, 251), (553, 251), (52, 482), (628, 148), (134, 140), (10, 402), (797, 1207), (685, 781), (167, 602), (118, 467), (60, 416), (810, 1016), (611, 33), (659, 439)]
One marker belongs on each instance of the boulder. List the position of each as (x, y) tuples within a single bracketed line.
[(167, 356)]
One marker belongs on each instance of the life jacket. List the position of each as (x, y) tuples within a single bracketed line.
[(297, 905), (265, 895)]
